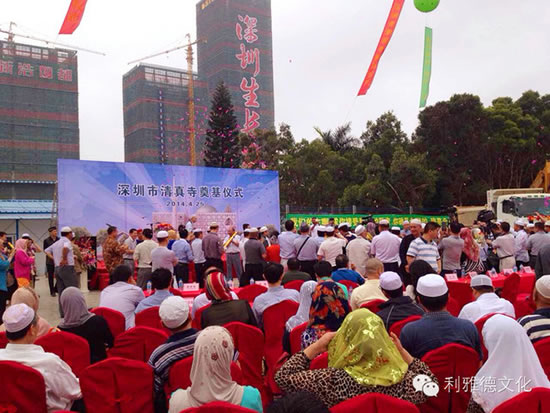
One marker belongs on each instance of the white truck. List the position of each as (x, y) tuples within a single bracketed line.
[(514, 203)]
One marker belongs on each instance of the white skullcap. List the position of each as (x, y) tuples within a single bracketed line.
[(520, 223), (344, 224), (416, 221), (263, 229), (543, 286), (384, 222), (432, 285), (481, 280), (162, 234), (25, 235), (66, 229), (395, 229), (17, 317), (213, 225), (247, 231), (360, 229), (547, 224), (405, 222), (390, 281), (329, 229), (321, 228), (530, 225), (423, 225), (252, 230), (174, 311)]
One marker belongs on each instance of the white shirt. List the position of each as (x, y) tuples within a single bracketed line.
[(521, 246), (505, 245), (331, 248), (122, 297), (198, 253), (313, 229), (201, 300), (241, 248), (56, 249), (385, 247), (189, 227), (131, 244), (358, 253), (62, 386), (142, 253), (286, 242), (486, 304), (232, 248)]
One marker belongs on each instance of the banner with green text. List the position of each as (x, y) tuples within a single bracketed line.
[(354, 220)]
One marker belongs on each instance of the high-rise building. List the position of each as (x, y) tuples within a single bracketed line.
[(38, 118), (156, 115), (239, 51)]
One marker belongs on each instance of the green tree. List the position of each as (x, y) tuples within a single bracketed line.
[(265, 148), (383, 136), (221, 146), (340, 140)]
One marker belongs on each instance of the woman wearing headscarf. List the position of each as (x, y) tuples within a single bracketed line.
[(362, 358), (224, 309), (371, 230), (328, 310), (211, 375), (23, 262), (302, 315), (78, 320), (470, 253), (26, 295), (512, 363)]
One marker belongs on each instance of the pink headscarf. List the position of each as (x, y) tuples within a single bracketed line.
[(21, 244), (471, 249)]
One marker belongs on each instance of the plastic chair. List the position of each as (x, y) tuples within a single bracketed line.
[(398, 325), (24, 391), (294, 285), (319, 362), (510, 288), (138, 343), (118, 385), (372, 305), (250, 292), (451, 361), (115, 319), (72, 349), (296, 337), (542, 347), (350, 285), (196, 323), (3, 339), (535, 401), (175, 291), (374, 403), (274, 320), (453, 307), (150, 318), (218, 407)]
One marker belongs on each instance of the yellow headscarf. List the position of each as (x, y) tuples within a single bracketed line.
[(363, 348)]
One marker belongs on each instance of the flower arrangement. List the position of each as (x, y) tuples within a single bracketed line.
[(87, 247)]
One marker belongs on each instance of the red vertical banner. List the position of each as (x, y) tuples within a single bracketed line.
[(391, 22), (73, 17)]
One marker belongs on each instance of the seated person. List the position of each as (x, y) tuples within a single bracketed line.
[(91, 327), (329, 308), (174, 315), (224, 309), (211, 375), (62, 386), (294, 272), (486, 302), (399, 306), (302, 315), (123, 295), (275, 294), (26, 295), (323, 272), (537, 325), (417, 269), (161, 279), (437, 327), (201, 300), (354, 368), (371, 289), (343, 272)]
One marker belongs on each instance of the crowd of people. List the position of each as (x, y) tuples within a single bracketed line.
[(342, 271)]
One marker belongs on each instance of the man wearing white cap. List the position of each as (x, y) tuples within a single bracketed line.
[(174, 315), (256, 256), (537, 325), (486, 302), (547, 227), (264, 236), (385, 247), (319, 236), (62, 386), (358, 250), (345, 232), (370, 290), (535, 242), (399, 306), (406, 228), (162, 257), (521, 238), (436, 327), (61, 252), (331, 247)]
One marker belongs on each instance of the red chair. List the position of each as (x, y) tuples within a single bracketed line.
[(118, 385), (150, 318), (535, 401), (248, 341), (196, 323), (3, 339), (524, 305), (374, 403), (453, 307), (72, 349), (274, 320), (295, 285), (510, 289), (218, 407), (296, 338), (542, 347), (138, 343), (350, 285), (115, 319), (250, 292), (451, 361), (461, 292), (175, 291), (23, 389), (319, 362), (372, 305), (398, 325)]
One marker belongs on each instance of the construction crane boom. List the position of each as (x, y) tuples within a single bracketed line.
[(167, 51)]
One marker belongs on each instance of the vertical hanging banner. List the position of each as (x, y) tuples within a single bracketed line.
[(389, 28), (73, 17), (427, 69)]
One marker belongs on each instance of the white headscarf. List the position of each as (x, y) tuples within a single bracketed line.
[(302, 315), (512, 363), (210, 372)]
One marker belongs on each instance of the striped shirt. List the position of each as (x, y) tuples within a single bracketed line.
[(424, 250), (537, 325)]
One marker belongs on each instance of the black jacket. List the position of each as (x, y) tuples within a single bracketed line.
[(219, 314), (397, 309)]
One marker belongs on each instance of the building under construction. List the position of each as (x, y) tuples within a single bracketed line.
[(156, 115), (38, 118)]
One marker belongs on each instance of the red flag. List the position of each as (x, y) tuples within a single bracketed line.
[(73, 17), (382, 43)]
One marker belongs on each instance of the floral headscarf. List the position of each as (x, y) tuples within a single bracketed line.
[(217, 288), (471, 249), (329, 307)]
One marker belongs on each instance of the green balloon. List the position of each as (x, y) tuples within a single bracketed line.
[(426, 6)]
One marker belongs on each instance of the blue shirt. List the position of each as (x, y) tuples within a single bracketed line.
[(436, 329), (274, 295), (286, 242), (347, 274), (4, 266), (183, 252), (153, 300)]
